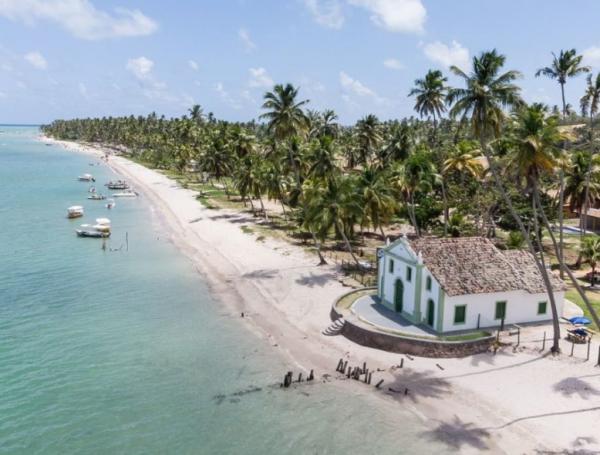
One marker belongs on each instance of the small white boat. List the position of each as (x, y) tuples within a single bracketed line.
[(111, 204), (96, 197), (92, 233), (102, 225), (127, 193), (75, 211), (99, 230), (86, 178), (118, 185)]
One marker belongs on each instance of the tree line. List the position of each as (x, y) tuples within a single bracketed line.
[(476, 159)]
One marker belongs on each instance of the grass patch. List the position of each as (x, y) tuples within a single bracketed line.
[(246, 229), (466, 336)]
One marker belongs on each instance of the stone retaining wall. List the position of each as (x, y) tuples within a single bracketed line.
[(364, 336)]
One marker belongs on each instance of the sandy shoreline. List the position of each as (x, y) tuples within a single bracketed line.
[(515, 402)]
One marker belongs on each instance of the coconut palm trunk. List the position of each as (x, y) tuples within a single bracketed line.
[(347, 243), (542, 269), (567, 270)]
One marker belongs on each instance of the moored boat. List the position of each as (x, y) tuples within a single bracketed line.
[(75, 211), (99, 230), (127, 193), (92, 233), (118, 185), (96, 197), (86, 178)]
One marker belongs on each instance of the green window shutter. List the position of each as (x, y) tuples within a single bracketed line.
[(428, 283), (542, 307), (460, 314), (391, 266), (500, 310), (408, 274)]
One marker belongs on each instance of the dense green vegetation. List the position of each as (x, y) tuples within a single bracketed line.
[(477, 161)]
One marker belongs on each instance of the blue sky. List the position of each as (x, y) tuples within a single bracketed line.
[(73, 58)]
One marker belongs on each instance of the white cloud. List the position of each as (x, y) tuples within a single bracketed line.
[(224, 94), (246, 40), (141, 67), (36, 60), (393, 64), (327, 13), (396, 15), (193, 65), (260, 78), (355, 86), (591, 56), (80, 18), (445, 55)]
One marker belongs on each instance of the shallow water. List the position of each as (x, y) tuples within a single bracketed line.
[(124, 351)]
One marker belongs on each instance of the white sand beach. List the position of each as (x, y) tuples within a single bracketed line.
[(513, 402)]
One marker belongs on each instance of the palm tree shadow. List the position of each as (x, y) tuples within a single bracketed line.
[(261, 274), (457, 434), (486, 358), (419, 384), (575, 386), (312, 280)]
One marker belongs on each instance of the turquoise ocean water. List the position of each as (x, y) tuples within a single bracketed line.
[(126, 352)]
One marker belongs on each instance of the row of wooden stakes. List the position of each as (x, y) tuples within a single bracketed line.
[(356, 372), (288, 378)]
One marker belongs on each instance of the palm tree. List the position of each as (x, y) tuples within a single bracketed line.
[(465, 158), (321, 159), (575, 180), (285, 118), (536, 138), (368, 137), (590, 102), (590, 251), (331, 204), (430, 93), (415, 177), (564, 66), (486, 94), (378, 201), (196, 113)]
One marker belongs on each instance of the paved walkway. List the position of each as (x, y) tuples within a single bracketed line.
[(370, 310)]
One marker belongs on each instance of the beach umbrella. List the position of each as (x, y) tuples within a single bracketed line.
[(580, 320)]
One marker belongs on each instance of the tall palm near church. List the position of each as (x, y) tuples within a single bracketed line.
[(590, 102), (486, 95), (565, 65)]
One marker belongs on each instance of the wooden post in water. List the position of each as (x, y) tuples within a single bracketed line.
[(518, 336), (572, 348), (379, 384), (366, 375), (345, 366), (364, 367), (402, 362), (478, 320), (299, 377), (311, 376), (369, 381)]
